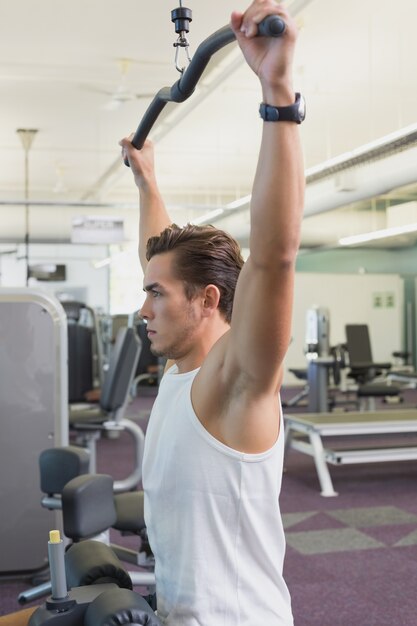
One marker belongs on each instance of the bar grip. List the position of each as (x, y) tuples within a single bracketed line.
[(271, 26)]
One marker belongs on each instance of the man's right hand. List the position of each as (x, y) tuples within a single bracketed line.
[(153, 214), (141, 161)]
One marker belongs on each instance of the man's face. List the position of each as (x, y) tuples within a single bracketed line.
[(172, 319)]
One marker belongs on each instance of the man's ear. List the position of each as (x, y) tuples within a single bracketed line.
[(211, 299)]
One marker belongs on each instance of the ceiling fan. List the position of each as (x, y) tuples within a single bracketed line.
[(122, 93)]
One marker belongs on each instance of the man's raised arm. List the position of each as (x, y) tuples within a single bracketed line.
[(153, 216), (261, 322)]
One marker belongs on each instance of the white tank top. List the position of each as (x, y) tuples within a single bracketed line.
[(213, 520)]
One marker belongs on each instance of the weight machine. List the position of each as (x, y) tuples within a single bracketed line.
[(322, 361)]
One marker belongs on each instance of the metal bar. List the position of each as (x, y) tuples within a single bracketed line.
[(323, 473), (379, 455), (131, 481), (295, 7), (316, 450), (185, 86)]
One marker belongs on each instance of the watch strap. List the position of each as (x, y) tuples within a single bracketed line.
[(292, 113)]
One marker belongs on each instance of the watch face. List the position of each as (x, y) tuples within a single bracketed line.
[(302, 108)]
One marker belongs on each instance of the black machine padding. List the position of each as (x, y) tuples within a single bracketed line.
[(92, 563), (58, 466), (118, 607), (359, 347), (375, 390), (121, 369), (88, 506), (129, 508), (80, 362)]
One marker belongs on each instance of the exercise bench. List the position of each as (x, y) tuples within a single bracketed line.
[(306, 432)]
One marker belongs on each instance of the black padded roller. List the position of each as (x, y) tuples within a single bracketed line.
[(130, 514), (118, 607), (93, 562)]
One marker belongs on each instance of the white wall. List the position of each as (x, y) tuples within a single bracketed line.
[(82, 277), (350, 299)]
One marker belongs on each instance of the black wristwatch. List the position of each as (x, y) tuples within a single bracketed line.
[(293, 113)]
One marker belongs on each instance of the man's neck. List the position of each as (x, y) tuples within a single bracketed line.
[(201, 349)]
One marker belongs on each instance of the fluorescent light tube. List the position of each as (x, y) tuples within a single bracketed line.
[(378, 234)]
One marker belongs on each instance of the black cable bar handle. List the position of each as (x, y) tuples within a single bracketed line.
[(271, 26)]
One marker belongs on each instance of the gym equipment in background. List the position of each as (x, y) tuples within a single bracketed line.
[(321, 362), (89, 509), (149, 369), (90, 601), (34, 416), (307, 433), (370, 376), (88, 353), (318, 357), (88, 422), (329, 367), (80, 350)]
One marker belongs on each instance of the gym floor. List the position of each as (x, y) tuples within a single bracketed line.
[(351, 559)]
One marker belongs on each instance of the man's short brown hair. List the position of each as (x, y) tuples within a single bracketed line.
[(204, 255)]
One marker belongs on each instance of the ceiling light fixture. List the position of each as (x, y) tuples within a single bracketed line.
[(239, 202), (379, 148), (378, 234), (207, 217), (110, 259)]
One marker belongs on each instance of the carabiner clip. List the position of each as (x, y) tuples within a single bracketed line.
[(182, 18), (182, 42)]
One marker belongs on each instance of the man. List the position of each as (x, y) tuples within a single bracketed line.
[(214, 445)]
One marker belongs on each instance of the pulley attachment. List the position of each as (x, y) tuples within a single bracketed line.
[(182, 18)]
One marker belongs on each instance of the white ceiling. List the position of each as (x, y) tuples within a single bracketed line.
[(61, 61)]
